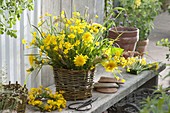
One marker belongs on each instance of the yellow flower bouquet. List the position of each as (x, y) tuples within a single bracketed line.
[(72, 46), (136, 65), (43, 99), (69, 43)]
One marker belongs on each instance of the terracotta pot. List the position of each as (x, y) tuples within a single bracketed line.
[(141, 46), (128, 37)]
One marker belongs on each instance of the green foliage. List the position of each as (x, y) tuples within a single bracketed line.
[(160, 103), (10, 12), (165, 5), (110, 15), (140, 14), (165, 43)]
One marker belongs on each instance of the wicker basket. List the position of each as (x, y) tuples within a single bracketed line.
[(13, 96), (76, 84)]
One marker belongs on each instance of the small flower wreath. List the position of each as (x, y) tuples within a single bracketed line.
[(45, 100)]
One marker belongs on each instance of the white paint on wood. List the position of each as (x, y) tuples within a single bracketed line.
[(66, 7), (7, 56), (51, 6), (22, 66)]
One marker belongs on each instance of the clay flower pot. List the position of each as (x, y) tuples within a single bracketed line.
[(128, 37), (141, 46)]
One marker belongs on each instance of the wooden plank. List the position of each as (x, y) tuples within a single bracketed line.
[(91, 9), (47, 76), (15, 60), (51, 6), (80, 5), (105, 101), (7, 56), (36, 79), (22, 69), (99, 6), (67, 7)]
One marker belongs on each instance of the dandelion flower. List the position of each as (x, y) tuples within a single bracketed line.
[(110, 66), (80, 60), (87, 37), (24, 41)]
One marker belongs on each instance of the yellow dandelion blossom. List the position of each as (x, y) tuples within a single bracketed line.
[(97, 43), (62, 14), (55, 48), (96, 16), (48, 47), (43, 34), (87, 37), (77, 43), (66, 51), (110, 66), (123, 80), (76, 14), (80, 31), (27, 47), (40, 52), (137, 3), (40, 23), (143, 61), (68, 45), (48, 14), (80, 60), (42, 47), (54, 17), (71, 35), (34, 34), (33, 41), (24, 41), (31, 59)]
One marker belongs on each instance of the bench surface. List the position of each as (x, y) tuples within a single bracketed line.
[(104, 101)]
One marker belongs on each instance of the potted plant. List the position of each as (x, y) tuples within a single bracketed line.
[(125, 37), (73, 47), (139, 14)]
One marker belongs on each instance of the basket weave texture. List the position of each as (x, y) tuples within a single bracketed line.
[(76, 84), (14, 91)]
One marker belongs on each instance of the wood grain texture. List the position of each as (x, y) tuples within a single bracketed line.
[(51, 6)]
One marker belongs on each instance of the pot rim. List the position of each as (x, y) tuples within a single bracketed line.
[(126, 29)]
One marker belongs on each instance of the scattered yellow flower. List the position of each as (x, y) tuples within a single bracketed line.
[(24, 41)]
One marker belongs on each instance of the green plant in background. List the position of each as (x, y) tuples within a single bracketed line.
[(165, 5), (165, 43), (159, 103), (111, 13), (140, 14), (10, 12)]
